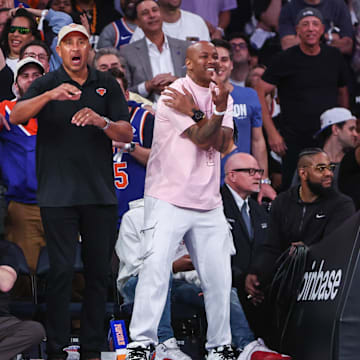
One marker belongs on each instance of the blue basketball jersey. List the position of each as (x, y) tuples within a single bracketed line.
[(123, 33), (129, 174), (17, 157)]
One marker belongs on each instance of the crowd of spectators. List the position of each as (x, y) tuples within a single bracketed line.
[(292, 68)]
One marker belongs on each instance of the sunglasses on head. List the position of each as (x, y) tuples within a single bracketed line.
[(22, 30)]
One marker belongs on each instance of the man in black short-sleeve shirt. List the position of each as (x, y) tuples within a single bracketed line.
[(79, 112), (310, 79)]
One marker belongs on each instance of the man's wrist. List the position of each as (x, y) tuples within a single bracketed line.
[(148, 87), (107, 123), (218, 112), (221, 31), (198, 115), (130, 147), (266, 181)]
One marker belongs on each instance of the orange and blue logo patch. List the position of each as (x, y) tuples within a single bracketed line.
[(101, 91)]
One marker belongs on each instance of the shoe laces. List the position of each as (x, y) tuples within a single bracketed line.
[(225, 352), (137, 353)]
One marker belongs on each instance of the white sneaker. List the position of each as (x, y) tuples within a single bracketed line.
[(169, 349), (224, 352), (257, 350), (137, 351)]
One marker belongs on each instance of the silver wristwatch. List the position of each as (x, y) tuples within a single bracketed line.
[(266, 181)]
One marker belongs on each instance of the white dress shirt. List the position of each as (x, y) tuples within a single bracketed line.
[(239, 200), (189, 26), (161, 63)]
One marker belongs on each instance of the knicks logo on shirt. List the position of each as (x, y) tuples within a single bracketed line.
[(101, 91)]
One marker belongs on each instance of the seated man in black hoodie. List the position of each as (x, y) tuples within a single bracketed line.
[(303, 214)]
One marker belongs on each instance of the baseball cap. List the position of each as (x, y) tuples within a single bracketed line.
[(28, 60), (67, 29), (309, 11), (334, 116)]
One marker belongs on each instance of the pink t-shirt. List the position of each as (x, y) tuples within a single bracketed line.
[(178, 171)]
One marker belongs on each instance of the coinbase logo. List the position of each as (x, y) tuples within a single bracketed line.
[(319, 285)]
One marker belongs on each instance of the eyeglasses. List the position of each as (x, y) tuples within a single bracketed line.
[(321, 167), (251, 171), (42, 57), (22, 30), (241, 46)]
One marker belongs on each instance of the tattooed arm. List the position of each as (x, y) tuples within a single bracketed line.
[(208, 132)]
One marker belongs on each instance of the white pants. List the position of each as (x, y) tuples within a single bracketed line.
[(209, 242)]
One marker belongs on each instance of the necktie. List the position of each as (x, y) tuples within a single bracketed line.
[(246, 218)]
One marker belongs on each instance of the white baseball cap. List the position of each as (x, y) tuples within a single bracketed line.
[(334, 116), (25, 61), (67, 29)]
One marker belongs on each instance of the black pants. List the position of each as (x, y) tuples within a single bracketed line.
[(17, 336), (62, 225)]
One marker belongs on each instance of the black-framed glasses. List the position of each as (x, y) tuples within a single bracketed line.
[(22, 30), (321, 167), (43, 57), (242, 46), (250, 171)]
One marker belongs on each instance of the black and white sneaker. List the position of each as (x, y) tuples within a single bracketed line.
[(224, 352), (137, 351)]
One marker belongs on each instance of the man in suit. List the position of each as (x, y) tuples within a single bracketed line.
[(156, 60), (248, 221)]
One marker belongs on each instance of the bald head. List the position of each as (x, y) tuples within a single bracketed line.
[(195, 49), (201, 62), (240, 160)]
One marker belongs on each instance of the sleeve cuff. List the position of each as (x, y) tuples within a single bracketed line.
[(142, 90)]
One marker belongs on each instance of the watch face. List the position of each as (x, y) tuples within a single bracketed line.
[(198, 115)]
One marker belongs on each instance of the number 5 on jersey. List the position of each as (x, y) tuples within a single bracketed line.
[(121, 177)]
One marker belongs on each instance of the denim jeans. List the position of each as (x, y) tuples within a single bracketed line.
[(189, 294), (183, 292), (240, 330), (165, 330)]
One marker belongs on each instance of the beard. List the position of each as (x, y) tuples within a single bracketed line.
[(318, 189)]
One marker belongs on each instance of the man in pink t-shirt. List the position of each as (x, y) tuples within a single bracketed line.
[(193, 125)]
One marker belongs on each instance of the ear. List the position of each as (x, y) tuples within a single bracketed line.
[(127, 95), (302, 173), (335, 129), (58, 50), (188, 64)]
